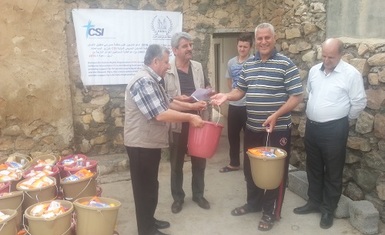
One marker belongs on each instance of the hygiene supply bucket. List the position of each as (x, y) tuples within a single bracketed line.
[(96, 220), (267, 166), (86, 164), (44, 159), (40, 194), (203, 142), (83, 187), (53, 169), (13, 183), (22, 161), (8, 226), (57, 225), (69, 160), (13, 200)]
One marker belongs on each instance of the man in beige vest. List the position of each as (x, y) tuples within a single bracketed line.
[(148, 110), (184, 77)]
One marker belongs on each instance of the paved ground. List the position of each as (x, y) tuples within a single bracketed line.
[(224, 191)]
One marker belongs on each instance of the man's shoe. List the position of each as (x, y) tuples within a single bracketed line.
[(306, 209), (159, 224), (326, 220), (157, 232), (202, 202), (176, 206)]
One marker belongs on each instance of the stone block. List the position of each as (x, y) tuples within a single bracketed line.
[(298, 183), (342, 210), (364, 216), (292, 168)]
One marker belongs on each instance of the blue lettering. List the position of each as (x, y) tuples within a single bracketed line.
[(96, 31)]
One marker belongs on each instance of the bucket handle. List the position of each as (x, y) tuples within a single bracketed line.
[(219, 111), (37, 196), (268, 139), (89, 181), (21, 203), (2, 226)]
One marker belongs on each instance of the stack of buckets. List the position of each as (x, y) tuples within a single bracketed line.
[(17, 202)]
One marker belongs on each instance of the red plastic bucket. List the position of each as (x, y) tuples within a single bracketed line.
[(87, 164), (68, 161), (203, 142), (5, 187)]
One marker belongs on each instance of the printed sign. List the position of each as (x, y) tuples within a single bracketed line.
[(111, 43)]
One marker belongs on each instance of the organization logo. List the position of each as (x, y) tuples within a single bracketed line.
[(92, 31), (161, 27)]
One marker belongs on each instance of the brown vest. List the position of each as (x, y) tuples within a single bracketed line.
[(138, 131)]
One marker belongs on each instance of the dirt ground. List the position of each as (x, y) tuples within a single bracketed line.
[(224, 191)]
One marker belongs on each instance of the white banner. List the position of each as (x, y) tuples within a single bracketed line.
[(111, 43)]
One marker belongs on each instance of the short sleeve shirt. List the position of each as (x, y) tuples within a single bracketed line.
[(234, 69), (268, 85), (149, 95)]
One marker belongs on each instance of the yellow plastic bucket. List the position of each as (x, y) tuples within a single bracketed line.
[(25, 161), (267, 166), (58, 225), (95, 220), (85, 187), (32, 196), (9, 225), (13, 200)]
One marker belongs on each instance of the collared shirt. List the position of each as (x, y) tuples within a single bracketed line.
[(339, 94), (149, 95), (268, 86)]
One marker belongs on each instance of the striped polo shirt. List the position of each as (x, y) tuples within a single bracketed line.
[(268, 86)]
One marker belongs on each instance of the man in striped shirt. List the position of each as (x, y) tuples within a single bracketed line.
[(272, 87)]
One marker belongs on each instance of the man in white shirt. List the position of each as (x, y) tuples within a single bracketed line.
[(336, 95)]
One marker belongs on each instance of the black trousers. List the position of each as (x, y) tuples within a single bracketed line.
[(178, 149), (269, 200), (236, 122), (144, 167), (325, 145)]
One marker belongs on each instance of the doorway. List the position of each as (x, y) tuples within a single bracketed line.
[(225, 48)]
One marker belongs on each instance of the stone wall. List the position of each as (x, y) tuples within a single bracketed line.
[(35, 99), (64, 116)]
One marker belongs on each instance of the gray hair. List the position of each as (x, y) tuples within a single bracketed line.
[(177, 37), (154, 51), (265, 26)]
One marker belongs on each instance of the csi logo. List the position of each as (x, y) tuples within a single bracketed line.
[(92, 31)]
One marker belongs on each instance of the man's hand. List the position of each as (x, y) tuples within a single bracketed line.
[(270, 123), (196, 121), (218, 99), (200, 105)]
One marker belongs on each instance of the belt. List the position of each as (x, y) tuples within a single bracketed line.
[(325, 123)]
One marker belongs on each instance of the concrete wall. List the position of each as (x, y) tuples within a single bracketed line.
[(356, 18)]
